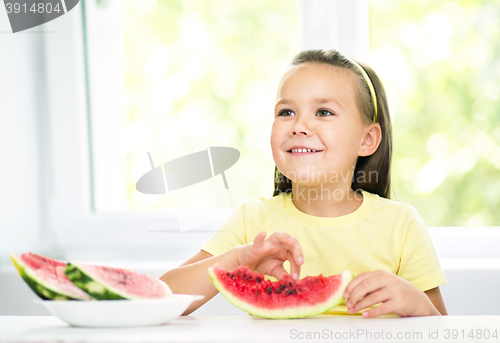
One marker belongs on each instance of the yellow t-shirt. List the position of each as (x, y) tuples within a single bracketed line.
[(380, 234)]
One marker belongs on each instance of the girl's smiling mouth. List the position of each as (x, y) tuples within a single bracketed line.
[(303, 150)]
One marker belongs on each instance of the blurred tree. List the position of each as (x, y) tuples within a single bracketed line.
[(440, 63), (208, 71)]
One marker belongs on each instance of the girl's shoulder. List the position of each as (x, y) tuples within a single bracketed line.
[(377, 199), (392, 203), (392, 208), (374, 208), (370, 201)]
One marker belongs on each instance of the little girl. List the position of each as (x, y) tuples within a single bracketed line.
[(332, 144)]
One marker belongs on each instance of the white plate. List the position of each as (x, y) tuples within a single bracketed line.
[(109, 313)]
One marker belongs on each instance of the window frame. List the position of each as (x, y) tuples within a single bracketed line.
[(71, 222)]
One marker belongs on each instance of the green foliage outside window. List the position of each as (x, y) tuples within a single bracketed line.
[(440, 62), (193, 65)]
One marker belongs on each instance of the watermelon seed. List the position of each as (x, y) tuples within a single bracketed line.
[(278, 291), (232, 276), (300, 289), (290, 284), (249, 277), (258, 279), (227, 274), (293, 291), (269, 290)]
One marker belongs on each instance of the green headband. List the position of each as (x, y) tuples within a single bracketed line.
[(370, 85)]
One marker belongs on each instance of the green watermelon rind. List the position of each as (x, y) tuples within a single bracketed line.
[(46, 292), (296, 312), (97, 289)]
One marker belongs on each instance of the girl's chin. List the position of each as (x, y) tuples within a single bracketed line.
[(308, 183), (310, 180), (311, 176)]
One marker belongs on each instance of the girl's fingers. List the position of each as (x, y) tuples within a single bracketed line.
[(368, 285), (290, 243), (283, 247), (371, 299), (278, 237), (279, 272), (356, 281), (258, 241), (296, 251), (294, 267), (385, 308)]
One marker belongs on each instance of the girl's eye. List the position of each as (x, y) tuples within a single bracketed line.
[(286, 113), (324, 113)]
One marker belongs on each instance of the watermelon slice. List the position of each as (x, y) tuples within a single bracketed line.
[(46, 277), (286, 298), (107, 283)]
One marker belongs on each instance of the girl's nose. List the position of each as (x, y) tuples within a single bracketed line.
[(300, 128)]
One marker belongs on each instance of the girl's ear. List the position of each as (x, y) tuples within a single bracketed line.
[(371, 140)]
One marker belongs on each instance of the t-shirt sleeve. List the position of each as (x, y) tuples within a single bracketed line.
[(419, 263), (231, 234)]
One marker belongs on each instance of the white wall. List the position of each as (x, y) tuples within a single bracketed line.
[(21, 115)]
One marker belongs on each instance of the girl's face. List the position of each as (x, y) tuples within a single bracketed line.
[(316, 113)]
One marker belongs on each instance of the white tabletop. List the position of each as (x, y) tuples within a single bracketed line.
[(325, 328)]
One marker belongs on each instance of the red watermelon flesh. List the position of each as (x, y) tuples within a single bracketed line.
[(46, 277), (108, 283), (286, 298)]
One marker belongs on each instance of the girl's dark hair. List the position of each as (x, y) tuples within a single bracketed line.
[(372, 173)]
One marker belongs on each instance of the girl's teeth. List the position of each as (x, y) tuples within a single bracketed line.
[(303, 150)]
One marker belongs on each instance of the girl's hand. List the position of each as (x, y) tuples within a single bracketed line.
[(268, 255), (396, 294)]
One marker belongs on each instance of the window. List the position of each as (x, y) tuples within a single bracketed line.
[(126, 88), (175, 77), (441, 68)]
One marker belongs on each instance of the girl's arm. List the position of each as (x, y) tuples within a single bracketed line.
[(434, 295), (192, 276), (262, 255), (396, 294)]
